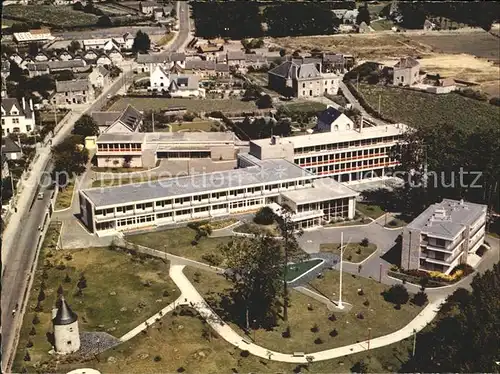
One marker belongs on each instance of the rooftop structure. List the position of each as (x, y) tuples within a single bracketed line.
[(72, 86)]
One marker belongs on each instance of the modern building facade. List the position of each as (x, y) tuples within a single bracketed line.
[(442, 236), (345, 153), (145, 149), (270, 182)]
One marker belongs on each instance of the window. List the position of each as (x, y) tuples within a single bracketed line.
[(15, 120), (3, 121), (28, 128), (68, 342)]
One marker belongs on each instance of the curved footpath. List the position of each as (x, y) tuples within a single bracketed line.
[(192, 297)]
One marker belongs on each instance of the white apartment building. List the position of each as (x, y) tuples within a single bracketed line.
[(270, 182), (345, 153), (17, 117), (442, 236)]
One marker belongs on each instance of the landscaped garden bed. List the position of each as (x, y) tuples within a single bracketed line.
[(370, 210), (353, 252), (431, 279), (256, 229)]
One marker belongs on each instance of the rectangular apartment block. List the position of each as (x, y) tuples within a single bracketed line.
[(442, 236), (347, 154), (107, 210)]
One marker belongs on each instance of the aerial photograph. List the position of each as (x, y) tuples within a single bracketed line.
[(250, 186)]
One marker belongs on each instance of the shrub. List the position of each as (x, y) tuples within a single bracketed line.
[(60, 266), (265, 216), (315, 328), (213, 259), (82, 282), (194, 242), (244, 353), (287, 333), (360, 316), (495, 101), (349, 258), (67, 279), (38, 307), (166, 293), (318, 341), (333, 333), (361, 292), (393, 223), (157, 358), (366, 303), (397, 295), (29, 343), (332, 317), (27, 356), (32, 331), (41, 295), (68, 257), (420, 298), (365, 242), (36, 320), (60, 290)]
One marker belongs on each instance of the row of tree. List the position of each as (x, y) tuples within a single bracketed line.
[(243, 19)]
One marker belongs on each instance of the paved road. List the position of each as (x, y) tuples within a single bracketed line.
[(183, 35)]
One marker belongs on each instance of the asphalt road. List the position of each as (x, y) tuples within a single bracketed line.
[(22, 252)]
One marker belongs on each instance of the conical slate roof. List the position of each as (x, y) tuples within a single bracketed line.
[(65, 315)]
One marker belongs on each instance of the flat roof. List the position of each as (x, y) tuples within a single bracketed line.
[(447, 218), (337, 136), (167, 137), (322, 189), (268, 171)]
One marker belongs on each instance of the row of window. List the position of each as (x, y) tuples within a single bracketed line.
[(350, 144), (14, 130), (349, 166), (15, 121), (110, 147), (343, 156)]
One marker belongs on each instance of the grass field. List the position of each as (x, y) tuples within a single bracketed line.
[(165, 38), (305, 106), (370, 210), (378, 314), (354, 252), (178, 242), (200, 125), (65, 196), (422, 109), (59, 16), (186, 342), (137, 282), (194, 105), (217, 225), (253, 228)]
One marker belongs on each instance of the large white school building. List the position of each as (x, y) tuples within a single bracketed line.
[(312, 200)]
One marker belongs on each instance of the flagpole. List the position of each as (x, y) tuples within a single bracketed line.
[(153, 119), (340, 306)]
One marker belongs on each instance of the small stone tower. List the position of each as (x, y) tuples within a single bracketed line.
[(66, 334)]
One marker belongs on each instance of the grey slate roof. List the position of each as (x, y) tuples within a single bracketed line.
[(447, 218), (268, 171), (38, 66), (7, 104), (333, 58), (103, 70), (131, 117), (9, 146), (329, 115), (64, 316), (222, 68), (253, 57), (70, 64), (406, 62), (72, 86), (160, 58), (235, 55), (105, 118), (200, 65), (184, 82)]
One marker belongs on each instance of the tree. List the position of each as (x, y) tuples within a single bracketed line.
[(256, 271), (363, 15), (142, 43), (33, 49), (86, 126), (82, 282), (359, 367), (282, 52), (397, 294), (67, 279), (36, 320), (265, 216), (78, 6), (64, 75), (252, 92), (74, 46), (70, 157), (495, 101), (365, 242), (41, 295), (104, 21), (420, 298), (264, 102), (15, 72), (27, 356), (466, 335), (60, 290)]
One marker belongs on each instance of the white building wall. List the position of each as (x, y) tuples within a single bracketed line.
[(67, 338)]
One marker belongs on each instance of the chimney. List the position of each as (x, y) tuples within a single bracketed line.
[(31, 104), (361, 123), (461, 201), (23, 103)]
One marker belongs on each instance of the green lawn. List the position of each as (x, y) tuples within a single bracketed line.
[(420, 109), (178, 242), (65, 196), (200, 125), (59, 16), (137, 282), (296, 270), (253, 228), (306, 106), (217, 225), (354, 252), (194, 105), (379, 314), (370, 210)]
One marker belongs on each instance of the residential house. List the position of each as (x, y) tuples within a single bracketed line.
[(90, 55), (41, 68), (73, 92), (332, 119), (159, 79), (104, 59), (26, 60), (429, 26), (17, 117), (406, 72), (65, 56), (41, 57), (304, 80), (443, 236), (147, 7), (222, 70), (10, 150), (256, 61), (236, 58), (128, 40), (99, 77), (37, 69), (5, 68), (16, 57), (333, 62), (187, 85), (210, 48), (147, 62), (3, 90), (201, 68), (106, 44), (127, 121), (116, 56)]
